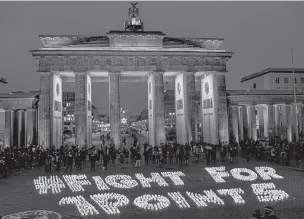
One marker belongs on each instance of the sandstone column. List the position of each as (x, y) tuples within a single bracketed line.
[(185, 107), (241, 123), (288, 121), (277, 123), (214, 108), (156, 111), (114, 99), (252, 122), (269, 121), (234, 122), (83, 109), (261, 117), (50, 110), (296, 123), (247, 130), (8, 134), (31, 128)]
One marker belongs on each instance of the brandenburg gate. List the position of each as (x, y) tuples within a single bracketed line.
[(138, 56)]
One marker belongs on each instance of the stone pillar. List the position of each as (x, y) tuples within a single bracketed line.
[(261, 117), (9, 131), (31, 128), (114, 98), (241, 123), (295, 124), (185, 107), (156, 108), (83, 109), (277, 123), (300, 118), (251, 122), (22, 128), (269, 118), (288, 119), (245, 123), (50, 110), (15, 128), (235, 122), (214, 108)]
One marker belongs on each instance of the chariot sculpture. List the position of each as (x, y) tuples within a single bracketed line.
[(134, 24)]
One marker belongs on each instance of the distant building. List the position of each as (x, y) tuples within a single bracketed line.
[(274, 79), (68, 104)]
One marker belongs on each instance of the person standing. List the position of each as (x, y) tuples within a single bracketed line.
[(69, 162), (137, 158), (93, 161), (105, 155), (121, 158)]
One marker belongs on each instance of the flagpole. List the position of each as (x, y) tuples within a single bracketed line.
[(294, 96)]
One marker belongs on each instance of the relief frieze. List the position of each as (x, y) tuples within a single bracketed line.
[(165, 61), (119, 61), (175, 61), (108, 61), (96, 60), (142, 61), (131, 61), (85, 63), (153, 61)]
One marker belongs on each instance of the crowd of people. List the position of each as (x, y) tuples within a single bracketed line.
[(66, 157)]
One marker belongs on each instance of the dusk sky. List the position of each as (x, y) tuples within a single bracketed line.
[(259, 33)]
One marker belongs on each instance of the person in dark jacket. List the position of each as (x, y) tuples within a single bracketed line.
[(69, 162)]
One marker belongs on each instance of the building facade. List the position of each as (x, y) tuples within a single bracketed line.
[(19, 119), (274, 79)]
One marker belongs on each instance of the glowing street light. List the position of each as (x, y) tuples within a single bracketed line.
[(124, 120)]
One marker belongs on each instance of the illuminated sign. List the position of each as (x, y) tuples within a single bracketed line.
[(111, 202)]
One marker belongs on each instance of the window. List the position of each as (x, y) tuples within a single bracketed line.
[(302, 80), (254, 85), (285, 80), (277, 80)]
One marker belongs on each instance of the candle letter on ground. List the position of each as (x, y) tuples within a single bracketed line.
[(175, 177), (54, 183), (84, 207), (105, 201), (267, 172), (75, 182), (217, 173), (234, 193), (179, 199), (200, 200), (155, 177), (126, 182), (267, 192), (144, 202), (101, 185), (249, 175)]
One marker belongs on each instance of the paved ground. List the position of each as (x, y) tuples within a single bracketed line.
[(19, 194)]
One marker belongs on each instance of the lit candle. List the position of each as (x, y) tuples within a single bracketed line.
[(110, 207), (84, 207), (144, 202), (202, 200), (267, 192)]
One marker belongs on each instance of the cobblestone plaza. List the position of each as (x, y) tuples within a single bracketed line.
[(19, 194)]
